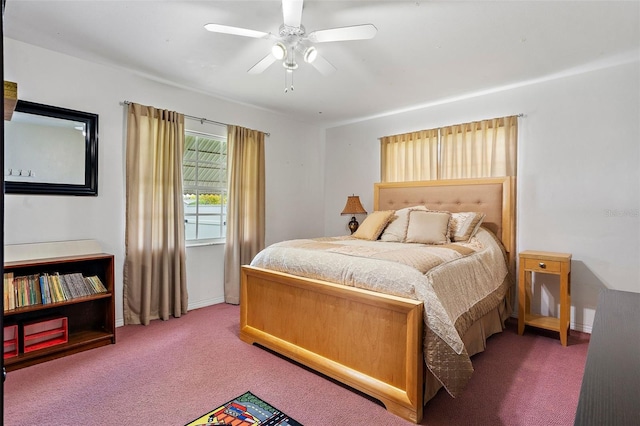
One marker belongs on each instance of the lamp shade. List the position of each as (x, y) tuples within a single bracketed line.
[(353, 206)]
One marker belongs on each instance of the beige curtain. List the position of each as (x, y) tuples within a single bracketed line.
[(409, 156), (245, 205), (155, 285), (484, 148)]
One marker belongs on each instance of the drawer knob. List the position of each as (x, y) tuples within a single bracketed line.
[(542, 265)]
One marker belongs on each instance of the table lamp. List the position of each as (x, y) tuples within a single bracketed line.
[(353, 207)]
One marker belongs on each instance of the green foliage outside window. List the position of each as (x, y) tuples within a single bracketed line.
[(205, 199)]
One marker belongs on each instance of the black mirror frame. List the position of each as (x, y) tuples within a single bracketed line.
[(90, 186)]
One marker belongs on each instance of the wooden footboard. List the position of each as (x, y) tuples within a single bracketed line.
[(366, 340)]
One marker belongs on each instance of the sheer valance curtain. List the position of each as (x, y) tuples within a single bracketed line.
[(155, 284), (486, 148), (245, 205)]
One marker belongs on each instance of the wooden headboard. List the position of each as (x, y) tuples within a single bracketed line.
[(495, 197)]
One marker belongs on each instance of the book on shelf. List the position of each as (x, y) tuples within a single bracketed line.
[(35, 296), (9, 291), (44, 290), (96, 283), (54, 286), (26, 290), (66, 293), (68, 285), (41, 289), (80, 285)]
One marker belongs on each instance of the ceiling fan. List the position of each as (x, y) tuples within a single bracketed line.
[(292, 40)]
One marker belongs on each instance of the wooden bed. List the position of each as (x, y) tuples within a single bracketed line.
[(314, 322)]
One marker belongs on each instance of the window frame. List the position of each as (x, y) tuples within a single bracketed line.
[(197, 189)]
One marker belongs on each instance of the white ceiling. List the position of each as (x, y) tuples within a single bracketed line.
[(424, 52)]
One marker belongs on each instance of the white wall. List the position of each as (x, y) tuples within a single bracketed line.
[(578, 173), (578, 184), (294, 163)]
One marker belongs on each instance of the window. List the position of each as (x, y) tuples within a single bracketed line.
[(204, 169)]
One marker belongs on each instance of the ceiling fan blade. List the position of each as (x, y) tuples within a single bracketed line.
[(292, 12), (324, 66), (262, 65), (355, 32), (226, 29)]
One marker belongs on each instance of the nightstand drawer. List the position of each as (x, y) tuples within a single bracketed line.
[(539, 265)]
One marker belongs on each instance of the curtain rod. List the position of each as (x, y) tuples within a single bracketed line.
[(519, 115), (201, 120)]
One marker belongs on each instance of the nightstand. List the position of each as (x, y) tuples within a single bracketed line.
[(546, 263)]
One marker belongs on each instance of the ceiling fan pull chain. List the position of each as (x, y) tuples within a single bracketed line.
[(292, 81), (285, 82)]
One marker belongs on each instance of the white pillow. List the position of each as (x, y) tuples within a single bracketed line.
[(396, 230), (428, 227), (464, 225)]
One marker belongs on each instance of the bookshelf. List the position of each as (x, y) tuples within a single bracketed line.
[(84, 322)]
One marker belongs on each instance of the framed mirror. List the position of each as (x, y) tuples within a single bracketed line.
[(50, 150)]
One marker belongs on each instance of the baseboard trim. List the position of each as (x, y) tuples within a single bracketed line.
[(204, 303), (190, 307)]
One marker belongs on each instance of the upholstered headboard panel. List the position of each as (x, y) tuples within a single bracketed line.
[(493, 196)]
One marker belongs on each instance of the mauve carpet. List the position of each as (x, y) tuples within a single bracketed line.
[(170, 372)]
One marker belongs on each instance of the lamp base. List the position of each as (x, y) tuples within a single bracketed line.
[(353, 225)]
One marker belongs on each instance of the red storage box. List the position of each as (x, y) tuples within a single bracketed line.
[(10, 341), (45, 333)]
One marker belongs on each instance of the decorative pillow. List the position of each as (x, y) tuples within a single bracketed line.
[(372, 225), (428, 227), (396, 230), (464, 225)]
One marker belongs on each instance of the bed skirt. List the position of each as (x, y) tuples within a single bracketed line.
[(475, 340)]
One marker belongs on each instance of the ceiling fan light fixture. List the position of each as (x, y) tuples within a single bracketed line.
[(292, 40), (279, 50), (310, 54), (290, 66)]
